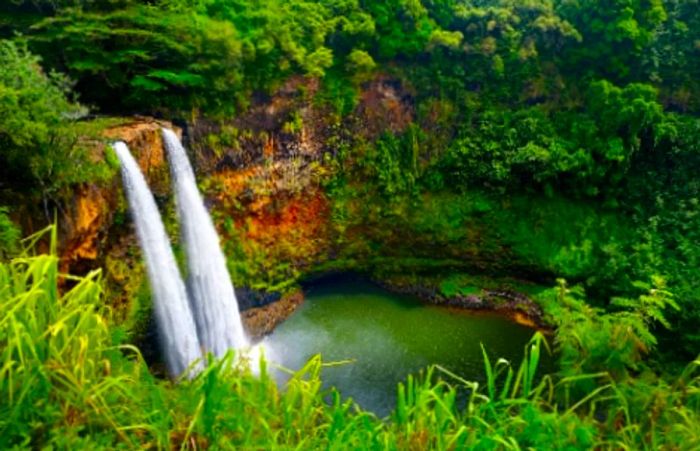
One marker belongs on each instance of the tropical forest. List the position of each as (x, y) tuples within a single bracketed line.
[(350, 224)]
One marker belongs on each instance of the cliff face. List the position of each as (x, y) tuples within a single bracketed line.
[(267, 173), (263, 177), (267, 177), (93, 209), (270, 210)]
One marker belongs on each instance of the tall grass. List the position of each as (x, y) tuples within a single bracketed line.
[(66, 384), (60, 369)]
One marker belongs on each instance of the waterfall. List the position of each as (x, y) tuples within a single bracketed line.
[(212, 297), (177, 331)]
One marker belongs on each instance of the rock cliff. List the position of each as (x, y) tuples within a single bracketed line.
[(265, 177)]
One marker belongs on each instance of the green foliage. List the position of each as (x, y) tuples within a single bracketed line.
[(451, 287), (616, 32), (590, 340), (252, 264), (393, 161), (361, 64), (59, 363), (673, 56), (652, 303), (403, 27), (339, 92), (569, 150), (502, 50), (184, 56), (39, 149), (623, 113), (549, 138), (9, 234), (161, 58), (66, 384)]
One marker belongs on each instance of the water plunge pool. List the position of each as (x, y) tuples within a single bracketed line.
[(389, 336)]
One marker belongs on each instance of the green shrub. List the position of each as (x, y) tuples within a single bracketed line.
[(9, 234), (39, 145), (65, 383)]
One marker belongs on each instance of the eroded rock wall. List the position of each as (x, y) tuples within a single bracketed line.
[(94, 212), (265, 178)]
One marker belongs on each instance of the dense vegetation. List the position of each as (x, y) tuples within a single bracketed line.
[(69, 383), (566, 132)]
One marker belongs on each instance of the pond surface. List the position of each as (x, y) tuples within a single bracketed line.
[(388, 336)]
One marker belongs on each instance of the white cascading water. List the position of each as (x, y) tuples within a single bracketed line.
[(176, 328), (212, 297)]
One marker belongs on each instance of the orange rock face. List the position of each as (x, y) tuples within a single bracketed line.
[(87, 220), (90, 213), (277, 211), (144, 139)]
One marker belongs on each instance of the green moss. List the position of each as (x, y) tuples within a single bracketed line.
[(451, 287), (226, 138), (94, 129), (294, 124)]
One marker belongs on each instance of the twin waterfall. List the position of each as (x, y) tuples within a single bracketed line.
[(203, 317)]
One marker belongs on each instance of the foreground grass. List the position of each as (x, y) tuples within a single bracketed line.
[(65, 383)]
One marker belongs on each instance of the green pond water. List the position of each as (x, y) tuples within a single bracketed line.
[(388, 336)]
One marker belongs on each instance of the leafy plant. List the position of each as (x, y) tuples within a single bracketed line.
[(39, 145)]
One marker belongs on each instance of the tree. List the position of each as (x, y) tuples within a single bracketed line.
[(147, 58), (673, 59), (615, 35), (37, 145), (403, 27)]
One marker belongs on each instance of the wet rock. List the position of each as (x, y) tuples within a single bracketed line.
[(249, 298), (261, 321), (517, 306)]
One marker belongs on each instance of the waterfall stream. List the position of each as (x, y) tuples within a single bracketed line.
[(212, 296), (176, 328)]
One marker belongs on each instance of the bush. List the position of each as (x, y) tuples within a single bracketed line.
[(66, 383), (9, 234), (39, 142)]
